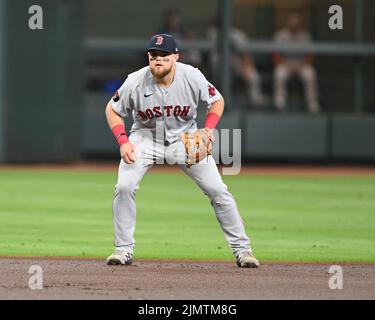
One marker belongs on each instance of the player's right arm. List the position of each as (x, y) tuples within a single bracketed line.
[(117, 126)]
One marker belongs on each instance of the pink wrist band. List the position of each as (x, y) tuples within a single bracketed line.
[(120, 134), (212, 120)]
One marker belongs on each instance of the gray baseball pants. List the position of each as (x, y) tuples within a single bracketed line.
[(205, 174)]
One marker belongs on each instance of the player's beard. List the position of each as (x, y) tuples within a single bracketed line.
[(160, 73)]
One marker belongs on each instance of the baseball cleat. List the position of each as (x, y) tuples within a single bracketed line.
[(247, 260), (120, 257)]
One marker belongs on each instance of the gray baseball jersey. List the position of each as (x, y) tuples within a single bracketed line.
[(174, 108)]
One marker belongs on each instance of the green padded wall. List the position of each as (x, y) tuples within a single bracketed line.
[(3, 23), (43, 86)]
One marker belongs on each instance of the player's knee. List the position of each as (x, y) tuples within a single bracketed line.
[(219, 194), (125, 188)]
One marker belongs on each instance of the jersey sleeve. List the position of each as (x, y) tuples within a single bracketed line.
[(208, 94), (121, 101)]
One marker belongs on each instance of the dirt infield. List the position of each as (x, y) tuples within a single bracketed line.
[(164, 280)]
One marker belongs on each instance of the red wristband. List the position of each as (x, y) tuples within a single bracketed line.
[(212, 120), (120, 134)]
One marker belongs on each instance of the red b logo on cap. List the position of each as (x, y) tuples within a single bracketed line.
[(159, 40)]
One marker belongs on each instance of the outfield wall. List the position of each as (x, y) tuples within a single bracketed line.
[(41, 89), (265, 136), (274, 136), (48, 114), (3, 22)]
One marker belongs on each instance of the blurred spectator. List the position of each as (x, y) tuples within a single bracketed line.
[(172, 24), (242, 62), (288, 64)]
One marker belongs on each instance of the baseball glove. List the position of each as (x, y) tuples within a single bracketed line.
[(198, 145)]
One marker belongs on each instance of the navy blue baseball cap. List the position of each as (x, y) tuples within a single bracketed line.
[(163, 42)]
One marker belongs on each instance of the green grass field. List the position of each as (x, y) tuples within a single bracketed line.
[(68, 213)]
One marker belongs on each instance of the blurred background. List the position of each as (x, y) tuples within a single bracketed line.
[(299, 91)]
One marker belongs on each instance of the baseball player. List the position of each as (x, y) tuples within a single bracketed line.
[(163, 98)]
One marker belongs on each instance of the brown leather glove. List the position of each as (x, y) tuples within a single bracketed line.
[(198, 145)]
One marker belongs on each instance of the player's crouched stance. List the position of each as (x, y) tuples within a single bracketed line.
[(163, 97)]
